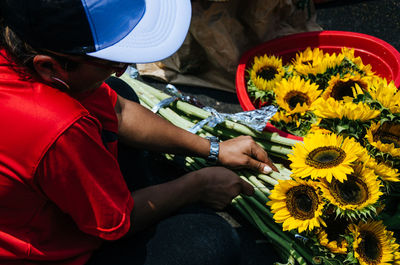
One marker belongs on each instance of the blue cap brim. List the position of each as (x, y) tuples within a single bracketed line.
[(159, 34)]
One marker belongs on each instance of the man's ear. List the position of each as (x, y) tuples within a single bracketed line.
[(47, 68)]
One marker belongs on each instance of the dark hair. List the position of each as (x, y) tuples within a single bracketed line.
[(22, 54)]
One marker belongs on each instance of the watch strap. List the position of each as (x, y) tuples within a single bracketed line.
[(214, 149)]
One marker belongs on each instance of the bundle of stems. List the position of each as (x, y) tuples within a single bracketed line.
[(253, 208), (150, 97)]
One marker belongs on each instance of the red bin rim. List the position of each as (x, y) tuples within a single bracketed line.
[(386, 53)]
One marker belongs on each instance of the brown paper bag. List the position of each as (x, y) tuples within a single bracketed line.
[(220, 32)]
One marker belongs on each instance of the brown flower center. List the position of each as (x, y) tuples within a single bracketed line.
[(352, 191), (388, 138), (267, 72), (325, 157), (295, 97), (335, 228), (302, 202), (370, 248), (344, 88), (388, 134)]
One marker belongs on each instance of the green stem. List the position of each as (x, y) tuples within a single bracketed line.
[(242, 211), (257, 192), (279, 176), (261, 207), (276, 138), (200, 161), (280, 156), (267, 218), (260, 185), (150, 100), (284, 170), (260, 224), (268, 179), (251, 178), (249, 175), (264, 229), (285, 253), (194, 163), (202, 114), (189, 166), (275, 148), (223, 132)]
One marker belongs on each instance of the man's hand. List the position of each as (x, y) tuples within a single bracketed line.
[(243, 152), (220, 185), (213, 186)]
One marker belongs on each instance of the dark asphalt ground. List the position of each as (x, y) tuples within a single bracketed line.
[(379, 18)]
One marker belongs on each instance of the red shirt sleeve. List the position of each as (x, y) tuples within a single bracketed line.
[(83, 179), (112, 94)]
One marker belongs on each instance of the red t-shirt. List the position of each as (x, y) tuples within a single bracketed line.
[(76, 198)]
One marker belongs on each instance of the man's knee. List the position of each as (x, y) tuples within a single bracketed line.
[(203, 239)]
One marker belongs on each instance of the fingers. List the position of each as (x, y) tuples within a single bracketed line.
[(247, 188), (259, 166), (243, 151), (261, 161)]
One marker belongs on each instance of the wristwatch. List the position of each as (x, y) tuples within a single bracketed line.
[(214, 149)]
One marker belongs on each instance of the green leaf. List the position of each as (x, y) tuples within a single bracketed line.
[(290, 261)]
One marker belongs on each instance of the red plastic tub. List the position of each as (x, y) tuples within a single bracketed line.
[(384, 58)]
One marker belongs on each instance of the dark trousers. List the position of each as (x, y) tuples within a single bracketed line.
[(194, 235)]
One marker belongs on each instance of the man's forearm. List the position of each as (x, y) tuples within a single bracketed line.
[(156, 202), (141, 128)]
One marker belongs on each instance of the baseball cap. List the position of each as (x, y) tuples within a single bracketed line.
[(129, 31)]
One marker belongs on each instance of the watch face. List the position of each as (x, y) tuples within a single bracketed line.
[(214, 150)]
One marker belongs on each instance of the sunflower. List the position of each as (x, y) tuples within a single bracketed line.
[(296, 95), (332, 236), (372, 243), (366, 159), (385, 137), (324, 156), (396, 260), (281, 116), (348, 54), (333, 61), (266, 71), (297, 205), (358, 193), (387, 173), (393, 244), (331, 109), (296, 124), (386, 94), (334, 246), (316, 129), (310, 61), (341, 87)]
